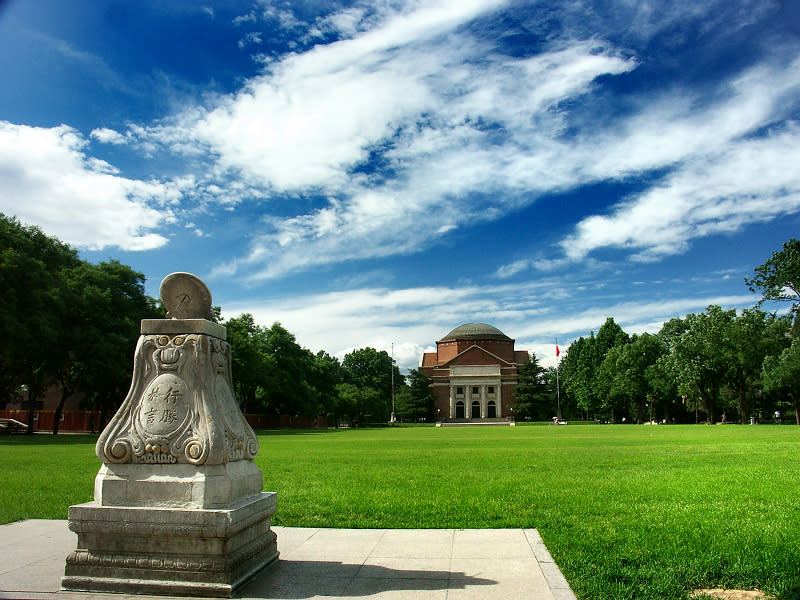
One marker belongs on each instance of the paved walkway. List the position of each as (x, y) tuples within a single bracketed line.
[(384, 564)]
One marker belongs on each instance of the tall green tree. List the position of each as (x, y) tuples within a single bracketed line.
[(577, 372), (106, 302), (291, 392), (252, 366), (420, 397), (78, 321), (778, 279), (533, 395), (781, 375), (34, 307), (581, 367), (326, 374), (367, 368), (751, 337), (626, 375), (697, 357)]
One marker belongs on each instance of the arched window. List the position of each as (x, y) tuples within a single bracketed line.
[(476, 410), (460, 410), (492, 410)]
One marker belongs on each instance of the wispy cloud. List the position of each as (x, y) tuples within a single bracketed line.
[(409, 128), (749, 181)]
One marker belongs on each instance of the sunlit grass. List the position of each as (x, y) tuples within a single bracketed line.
[(626, 511)]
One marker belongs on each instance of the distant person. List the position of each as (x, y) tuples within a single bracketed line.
[(555, 420), (777, 417), (724, 418)]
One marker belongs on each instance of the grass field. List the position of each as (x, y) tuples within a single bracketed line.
[(644, 512)]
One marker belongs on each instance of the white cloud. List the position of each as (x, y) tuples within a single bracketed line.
[(105, 135), (47, 179), (252, 38), (750, 181)]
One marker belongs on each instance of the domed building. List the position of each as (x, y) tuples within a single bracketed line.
[(473, 373)]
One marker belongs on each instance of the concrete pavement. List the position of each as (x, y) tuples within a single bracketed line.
[(383, 564)]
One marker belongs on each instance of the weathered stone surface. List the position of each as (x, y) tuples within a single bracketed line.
[(178, 504), (177, 485), (205, 552)]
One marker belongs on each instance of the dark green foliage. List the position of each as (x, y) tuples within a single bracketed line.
[(581, 369), (535, 398), (77, 323), (371, 372), (414, 401), (273, 374), (781, 375)]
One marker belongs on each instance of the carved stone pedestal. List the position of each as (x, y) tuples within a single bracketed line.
[(178, 503), (170, 551)]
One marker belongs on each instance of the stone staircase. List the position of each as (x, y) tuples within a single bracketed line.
[(475, 422)]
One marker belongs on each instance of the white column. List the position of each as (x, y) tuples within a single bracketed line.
[(452, 401), (484, 407), (499, 397)]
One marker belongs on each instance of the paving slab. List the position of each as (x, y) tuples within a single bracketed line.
[(326, 564)]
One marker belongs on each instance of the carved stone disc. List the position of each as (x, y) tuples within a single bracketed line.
[(185, 296)]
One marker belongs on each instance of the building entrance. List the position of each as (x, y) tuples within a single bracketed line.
[(476, 410)]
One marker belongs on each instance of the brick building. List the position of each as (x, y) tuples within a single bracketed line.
[(473, 373)]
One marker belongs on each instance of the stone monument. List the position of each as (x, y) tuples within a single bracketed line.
[(178, 503)]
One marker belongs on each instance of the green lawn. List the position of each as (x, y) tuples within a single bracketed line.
[(626, 511)]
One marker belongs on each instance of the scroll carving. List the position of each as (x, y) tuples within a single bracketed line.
[(180, 407)]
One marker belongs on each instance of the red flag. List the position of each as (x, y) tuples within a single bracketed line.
[(557, 351)]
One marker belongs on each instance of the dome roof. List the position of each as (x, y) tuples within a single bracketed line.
[(475, 331)]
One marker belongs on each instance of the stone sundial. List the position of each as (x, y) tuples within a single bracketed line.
[(185, 296), (179, 507)]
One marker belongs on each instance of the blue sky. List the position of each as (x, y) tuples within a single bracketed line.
[(377, 173)]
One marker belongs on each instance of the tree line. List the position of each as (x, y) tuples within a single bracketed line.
[(71, 324), (715, 365), (273, 374)]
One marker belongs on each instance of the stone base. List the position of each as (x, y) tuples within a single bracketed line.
[(177, 486), (170, 551)]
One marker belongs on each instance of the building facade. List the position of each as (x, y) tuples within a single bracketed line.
[(473, 373)]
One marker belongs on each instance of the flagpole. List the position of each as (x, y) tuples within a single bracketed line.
[(393, 418), (558, 391)]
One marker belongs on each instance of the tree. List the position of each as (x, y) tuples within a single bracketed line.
[(420, 397), (360, 404), (778, 279), (577, 371), (326, 374), (697, 357), (581, 365), (625, 374), (291, 367), (79, 321), (251, 364), (533, 396), (33, 308), (367, 368), (781, 374), (106, 305), (750, 337)]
